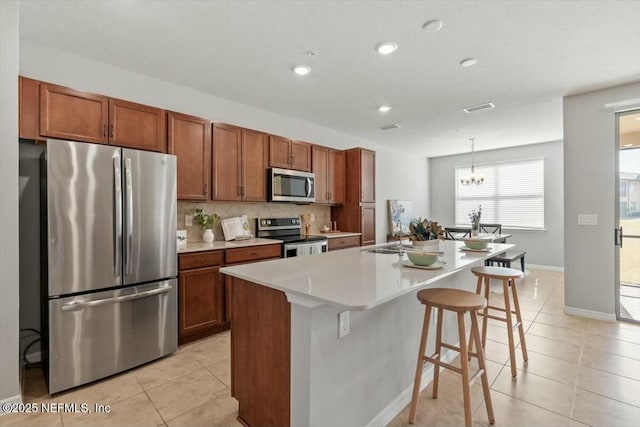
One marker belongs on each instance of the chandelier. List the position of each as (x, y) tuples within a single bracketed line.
[(474, 178)]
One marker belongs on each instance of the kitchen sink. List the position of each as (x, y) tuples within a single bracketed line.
[(384, 251)]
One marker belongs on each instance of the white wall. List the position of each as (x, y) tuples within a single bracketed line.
[(589, 175), (9, 353), (399, 175), (543, 247)]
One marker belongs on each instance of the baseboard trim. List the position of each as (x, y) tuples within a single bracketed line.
[(590, 314), (545, 267), (385, 416), (17, 399)]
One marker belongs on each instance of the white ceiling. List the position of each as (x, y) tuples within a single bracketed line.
[(530, 54)]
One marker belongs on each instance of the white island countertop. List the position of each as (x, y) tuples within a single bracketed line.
[(355, 278)]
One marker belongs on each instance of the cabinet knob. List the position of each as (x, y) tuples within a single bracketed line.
[(206, 189), (104, 131), (111, 131)]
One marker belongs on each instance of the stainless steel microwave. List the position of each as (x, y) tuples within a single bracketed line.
[(287, 185)]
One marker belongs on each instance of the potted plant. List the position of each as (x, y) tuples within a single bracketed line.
[(206, 221), (425, 232), (474, 216)]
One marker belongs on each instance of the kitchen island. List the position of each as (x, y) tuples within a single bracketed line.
[(289, 368)]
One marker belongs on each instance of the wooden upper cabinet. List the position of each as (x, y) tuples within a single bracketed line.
[(335, 177), (227, 166), (287, 154), (28, 108), (320, 162), (70, 114), (137, 126), (189, 138), (279, 152), (301, 156), (368, 224), (368, 176), (239, 164), (255, 158)]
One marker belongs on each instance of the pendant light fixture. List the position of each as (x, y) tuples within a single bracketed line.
[(474, 178)]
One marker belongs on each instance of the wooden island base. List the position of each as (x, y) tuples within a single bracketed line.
[(260, 354)]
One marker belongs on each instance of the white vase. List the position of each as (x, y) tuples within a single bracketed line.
[(430, 245), (207, 236), (475, 231)]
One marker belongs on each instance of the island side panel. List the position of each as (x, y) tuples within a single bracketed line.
[(261, 359)]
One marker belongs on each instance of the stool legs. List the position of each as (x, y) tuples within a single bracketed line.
[(516, 304), (512, 347), (464, 362), (481, 362), (436, 369), (420, 365)]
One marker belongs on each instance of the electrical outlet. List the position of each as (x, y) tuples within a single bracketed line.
[(188, 220), (344, 324), (313, 217)]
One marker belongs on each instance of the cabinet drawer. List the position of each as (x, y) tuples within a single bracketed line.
[(199, 259), (344, 242), (252, 253)]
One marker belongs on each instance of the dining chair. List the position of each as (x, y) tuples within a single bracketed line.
[(491, 228), (456, 233)]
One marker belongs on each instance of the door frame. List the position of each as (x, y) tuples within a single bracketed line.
[(617, 115)]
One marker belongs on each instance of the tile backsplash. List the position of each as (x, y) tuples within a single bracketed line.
[(252, 210)]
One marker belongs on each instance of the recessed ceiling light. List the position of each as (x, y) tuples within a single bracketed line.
[(432, 26), (384, 108), (385, 48), (468, 62), (479, 107), (301, 70)]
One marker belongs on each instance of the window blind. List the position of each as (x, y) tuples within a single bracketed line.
[(512, 194)]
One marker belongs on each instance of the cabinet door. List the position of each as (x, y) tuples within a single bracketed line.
[(279, 152), (137, 126), (320, 159), (70, 114), (227, 155), (28, 108), (335, 177), (189, 138), (254, 165), (368, 178), (301, 156), (368, 224), (201, 300)]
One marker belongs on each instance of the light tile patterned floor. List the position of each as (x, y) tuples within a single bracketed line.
[(580, 372)]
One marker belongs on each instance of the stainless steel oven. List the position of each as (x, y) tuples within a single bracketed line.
[(288, 230), (287, 185)]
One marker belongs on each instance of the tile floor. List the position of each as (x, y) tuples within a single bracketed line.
[(580, 372)]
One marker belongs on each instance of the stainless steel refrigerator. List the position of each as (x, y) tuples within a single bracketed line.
[(109, 260)]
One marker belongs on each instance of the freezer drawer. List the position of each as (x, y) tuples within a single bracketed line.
[(97, 335)]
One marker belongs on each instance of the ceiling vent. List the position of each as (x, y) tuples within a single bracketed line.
[(389, 127), (480, 107)]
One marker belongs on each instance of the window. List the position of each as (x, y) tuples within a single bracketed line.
[(512, 194)]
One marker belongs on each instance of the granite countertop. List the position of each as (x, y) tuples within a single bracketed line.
[(333, 235), (221, 245), (356, 278)]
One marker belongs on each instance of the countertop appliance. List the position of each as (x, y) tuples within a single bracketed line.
[(287, 185), (288, 230), (109, 288)]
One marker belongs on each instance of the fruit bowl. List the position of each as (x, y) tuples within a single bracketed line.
[(476, 243)]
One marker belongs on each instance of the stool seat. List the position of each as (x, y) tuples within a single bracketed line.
[(497, 272), (452, 299)]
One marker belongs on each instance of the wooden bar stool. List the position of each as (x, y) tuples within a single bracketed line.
[(508, 277), (461, 302)]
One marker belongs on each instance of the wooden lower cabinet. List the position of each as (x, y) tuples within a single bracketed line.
[(368, 224), (204, 302), (201, 304), (336, 243)]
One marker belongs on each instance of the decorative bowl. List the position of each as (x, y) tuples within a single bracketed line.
[(476, 243), (422, 258)]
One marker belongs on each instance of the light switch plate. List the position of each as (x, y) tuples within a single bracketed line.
[(344, 324), (188, 220), (587, 219), (313, 217)]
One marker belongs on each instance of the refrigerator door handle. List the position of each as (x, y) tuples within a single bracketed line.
[(80, 305), (117, 217), (129, 215)]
